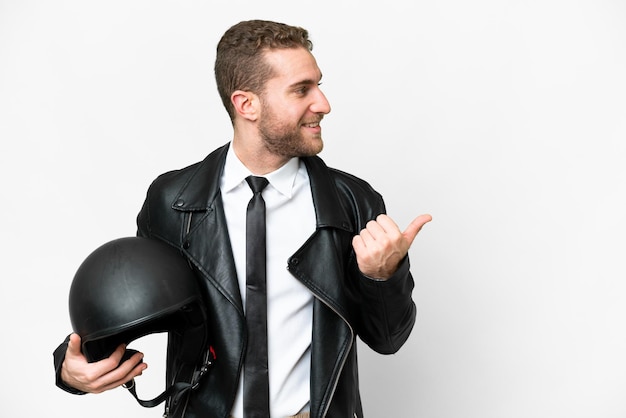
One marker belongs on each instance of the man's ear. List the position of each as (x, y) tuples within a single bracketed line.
[(246, 104)]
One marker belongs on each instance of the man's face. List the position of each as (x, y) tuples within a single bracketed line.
[(293, 104)]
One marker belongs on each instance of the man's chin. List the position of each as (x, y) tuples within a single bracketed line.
[(314, 149), (308, 148), (296, 148)]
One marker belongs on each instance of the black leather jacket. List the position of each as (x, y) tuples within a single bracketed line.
[(184, 209)]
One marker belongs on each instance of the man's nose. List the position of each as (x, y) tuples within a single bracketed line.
[(321, 104)]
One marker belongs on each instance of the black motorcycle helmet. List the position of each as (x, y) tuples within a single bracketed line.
[(131, 287)]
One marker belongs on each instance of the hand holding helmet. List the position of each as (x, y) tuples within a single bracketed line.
[(102, 375)]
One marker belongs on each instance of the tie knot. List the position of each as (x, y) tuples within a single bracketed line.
[(257, 184)]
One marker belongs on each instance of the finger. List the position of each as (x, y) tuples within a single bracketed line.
[(73, 346), (415, 226), (378, 232), (387, 224), (118, 353), (113, 361), (374, 226), (111, 380), (137, 371), (130, 367), (109, 366), (132, 361), (126, 371), (358, 244), (368, 235)]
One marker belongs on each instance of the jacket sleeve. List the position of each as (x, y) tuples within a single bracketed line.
[(382, 311), (386, 312), (59, 357)]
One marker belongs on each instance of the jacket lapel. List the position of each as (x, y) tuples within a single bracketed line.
[(200, 198), (333, 224), (320, 265)]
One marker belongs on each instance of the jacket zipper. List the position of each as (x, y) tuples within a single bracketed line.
[(343, 361), (345, 357)]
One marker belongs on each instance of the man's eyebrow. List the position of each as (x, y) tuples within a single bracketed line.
[(307, 82)]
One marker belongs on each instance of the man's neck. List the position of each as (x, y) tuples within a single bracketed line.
[(256, 157)]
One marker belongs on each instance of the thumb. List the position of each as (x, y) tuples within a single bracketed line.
[(415, 226), (73, 346)]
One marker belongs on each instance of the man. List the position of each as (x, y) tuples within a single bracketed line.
[(337, 266)]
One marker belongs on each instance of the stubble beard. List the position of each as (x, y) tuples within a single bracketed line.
[(287, 140)]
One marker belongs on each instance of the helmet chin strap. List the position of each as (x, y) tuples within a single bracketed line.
[(176, 390)]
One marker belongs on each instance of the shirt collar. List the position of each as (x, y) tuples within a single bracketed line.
[(235, 174)]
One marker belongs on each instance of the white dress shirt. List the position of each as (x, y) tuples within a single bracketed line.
[(290, 221)]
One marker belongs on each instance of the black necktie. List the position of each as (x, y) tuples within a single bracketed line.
[(256, 392)]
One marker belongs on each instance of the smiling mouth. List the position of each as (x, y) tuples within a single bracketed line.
[(312, 124)]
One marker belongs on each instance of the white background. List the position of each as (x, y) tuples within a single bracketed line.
[(506, 120)]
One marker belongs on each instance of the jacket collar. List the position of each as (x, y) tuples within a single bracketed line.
[(328, 208), (201, 190)]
